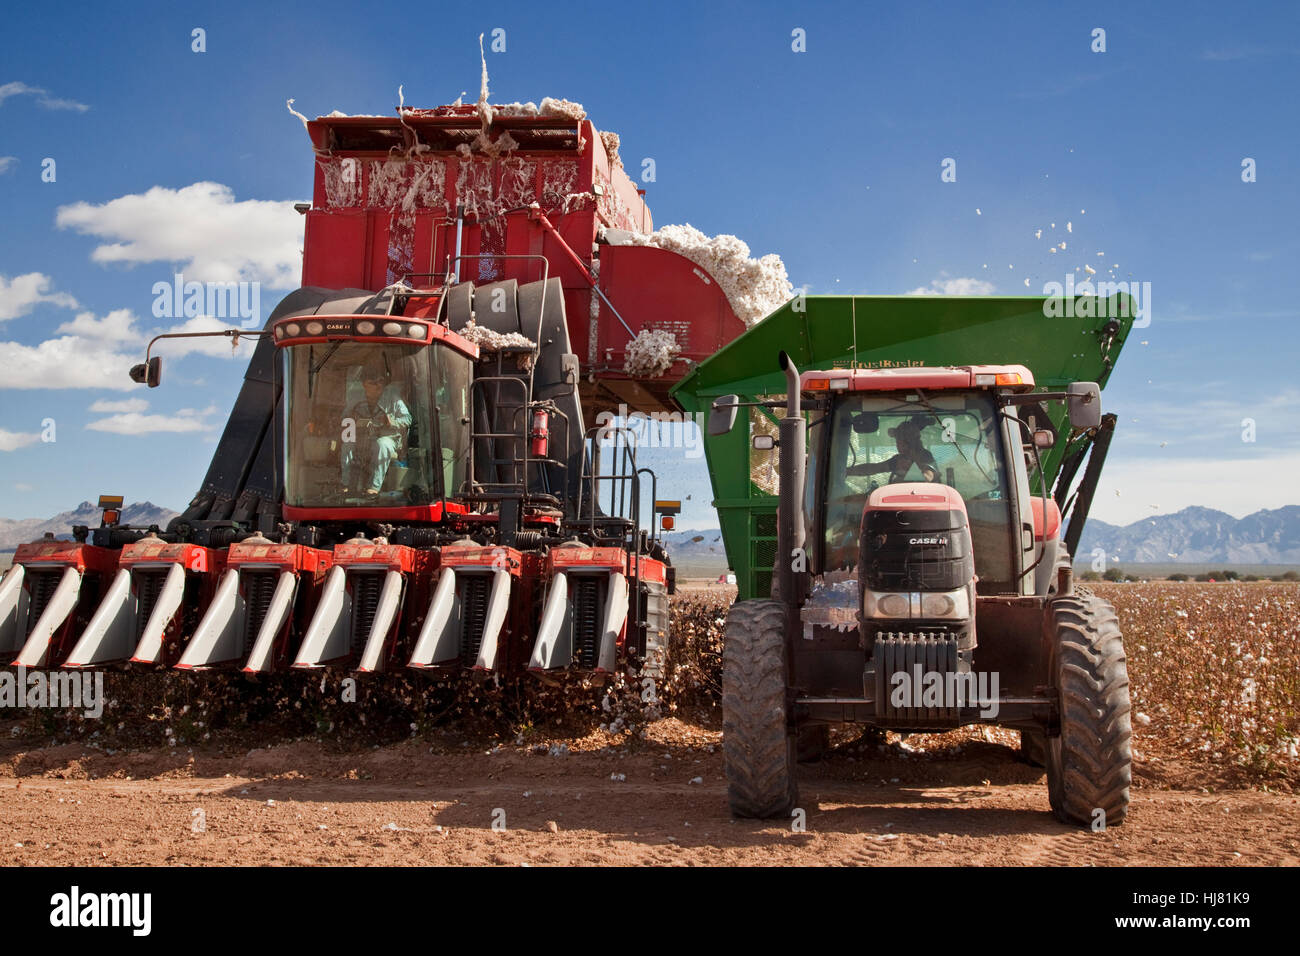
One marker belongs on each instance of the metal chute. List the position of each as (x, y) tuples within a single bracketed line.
[(497, 605), (13, 611), (439, 640), (54, 614), (165, 606), (249, 613), (373, 657), (262, 657), (110, 635), (328, 635), (553, 648)]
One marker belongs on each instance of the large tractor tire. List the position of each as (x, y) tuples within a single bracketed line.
[(1089, 764), (757, 746)]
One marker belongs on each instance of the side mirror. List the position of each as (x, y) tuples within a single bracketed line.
[(148, 373), (1083, 399), (722, 416), (866, 423)]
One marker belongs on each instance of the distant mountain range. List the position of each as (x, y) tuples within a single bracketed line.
[(16, 531), (1199, 535), (1191, 536)]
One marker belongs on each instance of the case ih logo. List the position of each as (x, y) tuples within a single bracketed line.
[(943, 541)]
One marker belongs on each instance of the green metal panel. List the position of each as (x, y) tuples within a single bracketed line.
[(886, 332)]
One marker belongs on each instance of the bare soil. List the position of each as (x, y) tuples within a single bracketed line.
[(962, 798)]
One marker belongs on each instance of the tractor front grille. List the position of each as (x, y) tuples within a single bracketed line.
[(148, 585), (586, 620), (366, 587), (40, 589), (903, 701), (259, 587), (473, 615)]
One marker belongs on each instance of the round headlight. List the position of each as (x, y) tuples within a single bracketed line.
[(293, 328), (392, 328), (365, 328), (892, 605), (279, 331), (937, 605), (416, 331), (315, 328)]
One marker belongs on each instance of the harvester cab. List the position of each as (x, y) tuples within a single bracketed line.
[(921, 584)]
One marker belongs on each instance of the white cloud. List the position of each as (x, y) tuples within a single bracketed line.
[(56, 103), (960, 286), (117, 326), (20, 295), (6, 162), (14, 89), (11, 440), (23, 486), (201, 228), (68, 361), (104, 406), (98, 353), (135, 423), (43, 97)]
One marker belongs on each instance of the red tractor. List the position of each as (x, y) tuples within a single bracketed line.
[(921, 585)]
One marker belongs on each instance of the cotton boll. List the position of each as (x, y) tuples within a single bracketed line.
[(651, 353), (754, 287), (567, 108), (490, 341)]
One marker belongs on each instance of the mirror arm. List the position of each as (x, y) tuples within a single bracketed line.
[(233, 334)]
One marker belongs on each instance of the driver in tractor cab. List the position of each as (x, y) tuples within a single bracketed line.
[(907, 438), (380, 421)]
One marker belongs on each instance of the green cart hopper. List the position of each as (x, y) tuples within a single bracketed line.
[(880, 332)]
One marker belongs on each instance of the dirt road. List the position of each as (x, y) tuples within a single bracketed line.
[(659, 801)]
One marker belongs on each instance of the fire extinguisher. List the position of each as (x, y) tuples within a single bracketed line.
[(539, 434)]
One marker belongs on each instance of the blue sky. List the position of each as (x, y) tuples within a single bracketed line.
[(829, 157)]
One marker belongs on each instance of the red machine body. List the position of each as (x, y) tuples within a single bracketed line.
[(385, 207)]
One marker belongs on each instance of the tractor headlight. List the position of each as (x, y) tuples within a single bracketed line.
[(884, 604), (951, 605), (918, 605)]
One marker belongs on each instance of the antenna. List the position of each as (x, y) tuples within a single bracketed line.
[(853, 302)]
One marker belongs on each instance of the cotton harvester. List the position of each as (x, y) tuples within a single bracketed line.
[(409, 476)]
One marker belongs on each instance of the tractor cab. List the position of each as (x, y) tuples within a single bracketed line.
[(873, 429), (376, 415)]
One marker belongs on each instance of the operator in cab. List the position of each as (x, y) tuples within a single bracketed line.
[(907, 438), (380, 421)]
